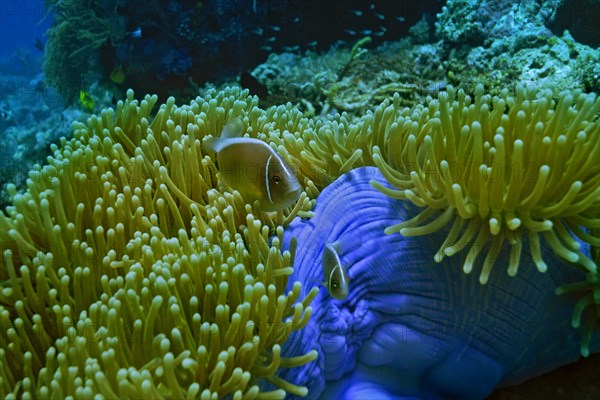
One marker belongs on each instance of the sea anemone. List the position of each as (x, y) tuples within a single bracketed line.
[(130, 270), (126, 272), (520, 166), (503, 169)]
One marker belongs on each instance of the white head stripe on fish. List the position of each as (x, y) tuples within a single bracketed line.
[(267, 179), (284, 167)]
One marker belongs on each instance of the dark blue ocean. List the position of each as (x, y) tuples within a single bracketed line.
[(23, 23)]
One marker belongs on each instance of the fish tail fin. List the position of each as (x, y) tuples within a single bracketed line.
[(315, 282)]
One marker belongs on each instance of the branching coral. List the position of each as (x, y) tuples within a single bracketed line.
[(357, 51), (343, 79), (127, 273)]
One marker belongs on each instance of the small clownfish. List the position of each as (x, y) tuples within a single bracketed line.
[(334, 273), (253, 168)]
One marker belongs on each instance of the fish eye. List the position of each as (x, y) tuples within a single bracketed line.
[(277, 180), (335, 284)]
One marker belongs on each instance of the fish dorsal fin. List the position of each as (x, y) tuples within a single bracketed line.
[(346, 243), (233, 128)]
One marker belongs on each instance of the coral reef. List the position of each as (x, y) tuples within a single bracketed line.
[(32, 117), (495, 42), (126, 272), (555, 60), (79, 32), (489, 43), (22, 146), (343, 80), (129, 269), (464, 22), (180, 45)]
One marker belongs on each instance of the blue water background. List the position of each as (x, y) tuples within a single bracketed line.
[(22, 22)]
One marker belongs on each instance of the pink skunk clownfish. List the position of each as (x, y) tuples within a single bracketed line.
[(334, 272), (253, 168)]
